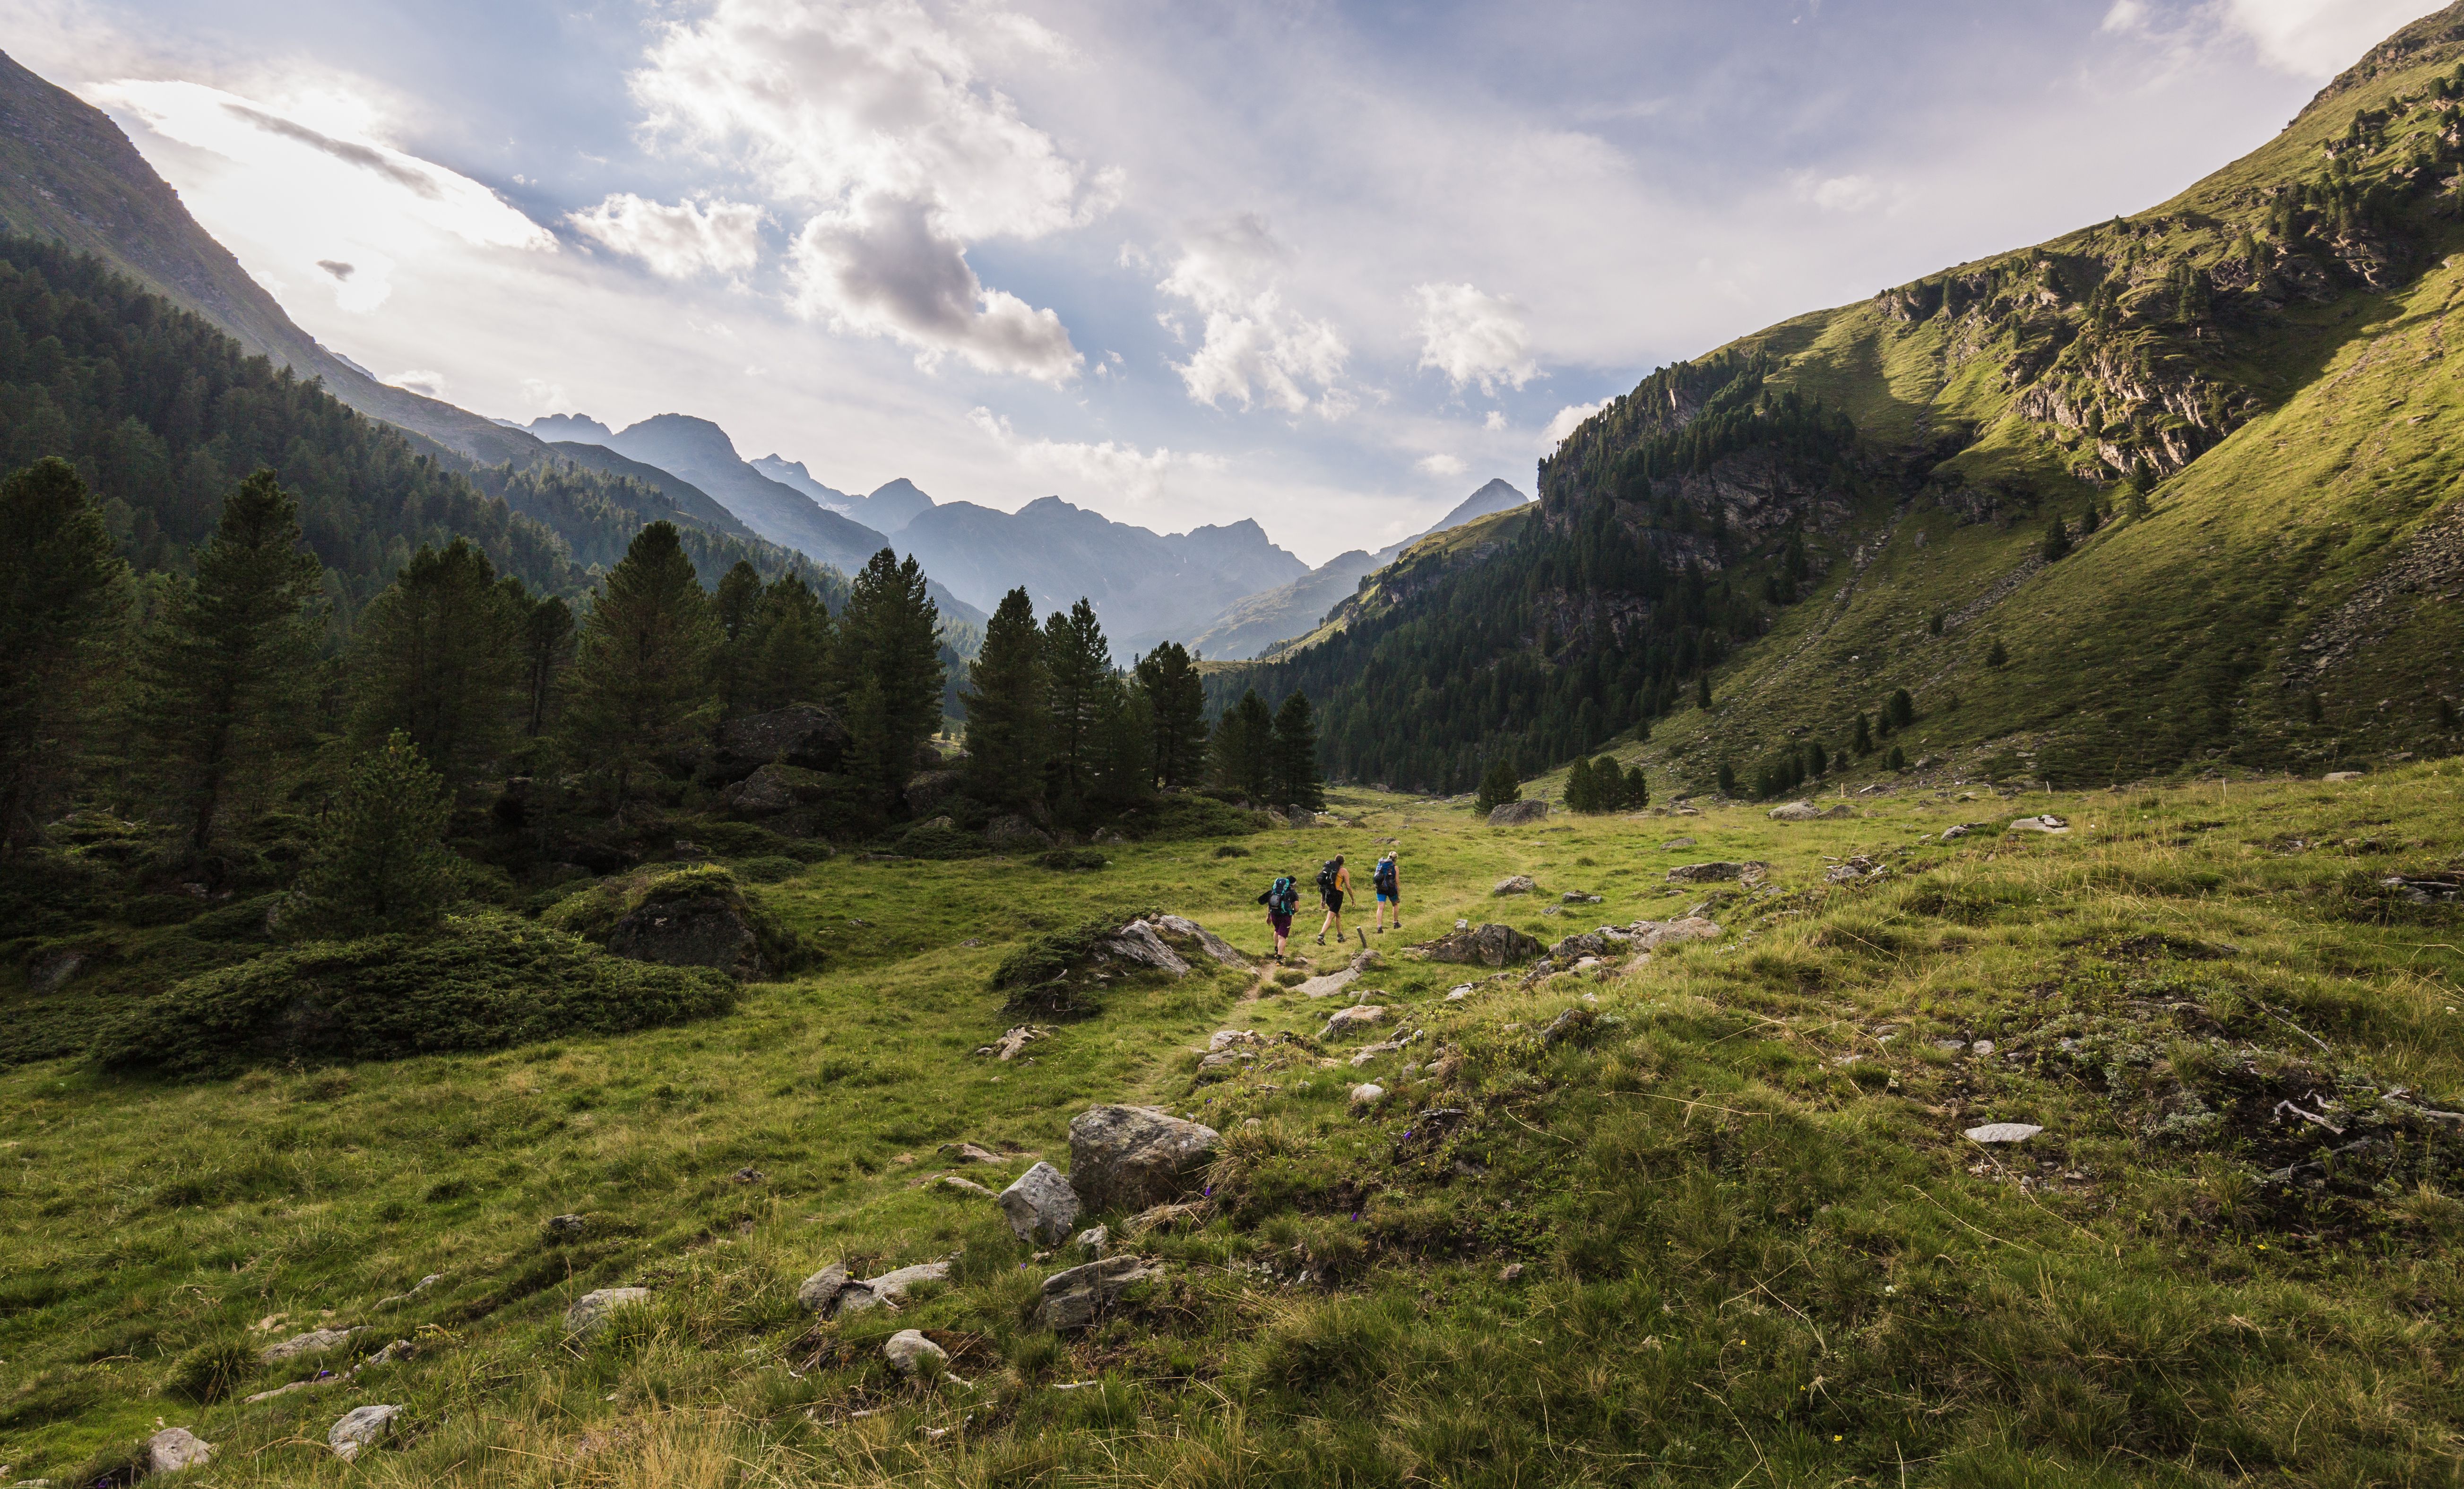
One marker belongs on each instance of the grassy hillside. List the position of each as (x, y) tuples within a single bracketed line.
[(1751, 1240)]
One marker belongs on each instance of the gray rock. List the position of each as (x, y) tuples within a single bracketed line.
[(1040, 1205), (2002, 1132), (416, 1288), (1013, 833), (2341, 777), (591, 1312), (1516, 883), (926, 790), (1716, 872), (1185, 934), (1489, 946), (1328, 986), (1076, 1297), (1651, 937), (888, 1287), (175, 1448), (1094, 1240), (1130, 1157), (359, 1428), (1794, 812), (1359, 1015), (912, 1354), (953, 1183), (1513, 814), (1577, 897), (767, 792), (1953, 834), (703, 931), (822, 1289), (969, 1153), (1673, 843), (803, 735), (317, 1341), (399, 1349), (566, 1225), (1368, 1093), (1137, 945)]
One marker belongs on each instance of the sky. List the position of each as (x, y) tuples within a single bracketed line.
[(1327, 265)]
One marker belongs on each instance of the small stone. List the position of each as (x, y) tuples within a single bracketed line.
[(969, 1153), (174, 1449), (315, 1342), (888, 1287), (1981, 1047), (1345, 1019), (566, 1225), (591, 1312), (1673, 843), (360, 1428), (1330, 985), (2341, 776), (1794, 812), (1511, 1272), (2002, 1132), (1073, 1298), (1368, 1093), (1516, 883), (912, 1355), (1040, 1205), (1955, 833), (822, 1289), (1096, 1239), (420, 1286), (964, 1186)]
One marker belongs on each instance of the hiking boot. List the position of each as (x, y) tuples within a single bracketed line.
[(1321, 941)]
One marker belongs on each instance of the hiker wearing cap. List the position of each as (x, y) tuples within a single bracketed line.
[(1388, 881), (1333, 883)]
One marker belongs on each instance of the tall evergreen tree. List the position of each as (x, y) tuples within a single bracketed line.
[(733, 608), (1496, 786), (1578, 786), (1240, 755), (1077, 664), (438, 657), (548, 650), (1637, 789), (228, 662), (381, 862), (641, 678), (1006, 721), (1123, 743), (1178, 697), (2058, 540), (63, 592), (890, 667), (785, 648), (1297, 779)]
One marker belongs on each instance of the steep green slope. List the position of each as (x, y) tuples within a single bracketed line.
[(2243, 391)]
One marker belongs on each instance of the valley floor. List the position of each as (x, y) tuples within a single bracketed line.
[(1708, 1218)]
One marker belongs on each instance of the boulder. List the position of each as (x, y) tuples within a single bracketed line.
[(2341, 777), (2002, 1132), (1359, 1015), (1716, 872), (823, 1288), (1130, 1157), (1328, 986), (1488, 946), (1578, 897), (1076, 1297), (771, 789), (1368, 1093), (317, 1341), (175, 1448), (1194, 939), (1514, 813), (1673, 843), (1040, 1205), (1516, 883), (1794, 812), (1843, 809), (1137, 945), (1606, 941), (911, 1354), (1092, 1241), (888, 1287), (1955, 833), (1651, 935), (2047, 824), (706, 931), (359, 1428), (591, 1312), (803, 735), (926, 790), (1015, 834)]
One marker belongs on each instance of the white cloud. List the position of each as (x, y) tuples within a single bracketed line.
[(1495, 422), (1253, 349), (1567, 419), (426, 383), (2316, 39), (681, 241), (1112, 469), (876, 115), (1438, 464), (1853, 194), (1473, 338), (2127, 15)]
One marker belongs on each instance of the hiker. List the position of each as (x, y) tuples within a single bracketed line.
[(1388, 881), (1282, 899), (1333, 883)]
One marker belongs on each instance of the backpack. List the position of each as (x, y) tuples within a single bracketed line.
[(1384, 877), (1326, 878)]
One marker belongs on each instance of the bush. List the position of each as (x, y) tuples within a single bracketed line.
[(770, 870), (592, 910), (478, 983), (930, 840), (1061, 952), (1068, 859), (1189, 814), (1231, 850), (211, 1372), (745, 839)]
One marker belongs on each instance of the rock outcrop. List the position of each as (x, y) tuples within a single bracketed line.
[(1487, 946), (855, 1297), (317, 1341), (1076, 1297), (1514, 813), (693, 931), (1040, 1205), (360, 1428), (1516, 883), (1717, 873), (1130, 1157), (1794, 812), (802, 735)]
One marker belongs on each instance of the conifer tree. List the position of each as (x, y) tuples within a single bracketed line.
[(641, 680), (62, 593), (786, 649), (1727, 779), (1864, 743), (1702, 693), (1123, 743), (1297, 781), (1899, 760), (2058, 540), (228, 662), (733, 608), (382, 863), (1902, 708), (548, 650), (1578, 786), (890, 666), (1178, 696), (1241, 751), (1006, 718), (1077, 664), (1637, 789), (1496, 786), (1995, 656), (437, 657)]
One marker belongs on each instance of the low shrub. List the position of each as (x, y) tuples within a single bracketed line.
[(210, 1371), (748, 840), (478, 982), (593, 912), (931, 840), (776, 869), (1072, 860), (1186, 814), (1230, 850)]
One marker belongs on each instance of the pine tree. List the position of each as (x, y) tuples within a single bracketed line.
[(1818, 759), (1077, 664), (548, 650), (1177, 695), (382, 863), (1904, 707), (228, 661), (1702, 693), (641, 680), (2057, 541), (1864, 743), (1006, 718), (1297, 780), (62, 595), (1496, 786), (1240, 755), (438, 657), (733, 608), (891, 670), (1727, 779), (1123, 743), (786, 649), (1995, 656), (1899, 760), (1638, 790), (1578, 786)]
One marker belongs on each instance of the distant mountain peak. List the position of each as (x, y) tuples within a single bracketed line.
[(574, 428)]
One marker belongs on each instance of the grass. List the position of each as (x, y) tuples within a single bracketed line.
[(1755, 1247)]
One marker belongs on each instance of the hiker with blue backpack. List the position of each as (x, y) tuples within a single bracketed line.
[(1282, 899), (1388, 881)]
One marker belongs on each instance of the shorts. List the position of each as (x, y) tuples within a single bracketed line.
[(1283, 923), (1389, 897), (1334, 901)]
